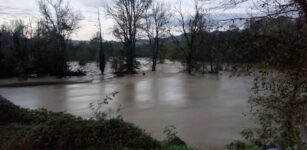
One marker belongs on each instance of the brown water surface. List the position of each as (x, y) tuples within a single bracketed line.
[(206, 110)]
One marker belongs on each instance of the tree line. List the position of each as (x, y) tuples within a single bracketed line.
[(192, 37), (143, 29), (39, 48)]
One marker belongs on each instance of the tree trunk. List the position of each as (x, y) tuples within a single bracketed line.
[(102, 62), (61, 67), (130, 60), (155, 53), (189, 64), (154, 60), (102, 59), (154, 63), (211, 66)]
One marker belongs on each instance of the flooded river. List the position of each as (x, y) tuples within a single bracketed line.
[(207, 110)]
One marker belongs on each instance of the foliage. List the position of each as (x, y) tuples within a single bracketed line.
[(238, 145), (172, 141), (83, 51), (25, 50), (278, 98), (98, 109)]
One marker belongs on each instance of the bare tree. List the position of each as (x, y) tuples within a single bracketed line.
[(127, 15), (102, 59), (192, 28), (58, 23), (156, 28)]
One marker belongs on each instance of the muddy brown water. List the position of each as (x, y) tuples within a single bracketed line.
[(207, 110)]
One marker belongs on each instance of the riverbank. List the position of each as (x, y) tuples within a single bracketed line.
[(41, 82), (40, 129)]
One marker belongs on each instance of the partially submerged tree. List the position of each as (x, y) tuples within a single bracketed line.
[(191, 29), (156, 28), (57, 24), (102, 57), (127, 15)]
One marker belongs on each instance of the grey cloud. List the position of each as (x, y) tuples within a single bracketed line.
[(15, 13), (25, 9)]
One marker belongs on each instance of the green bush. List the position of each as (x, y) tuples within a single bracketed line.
[(238, 145)]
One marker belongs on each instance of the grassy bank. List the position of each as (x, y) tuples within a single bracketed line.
[(40, 129)]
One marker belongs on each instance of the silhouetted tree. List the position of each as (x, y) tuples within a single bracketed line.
[(58, 22), (102, 57), (127, 15), (156, 28), (191, 29)]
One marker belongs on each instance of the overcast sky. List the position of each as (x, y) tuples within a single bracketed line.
[(28, 10)]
